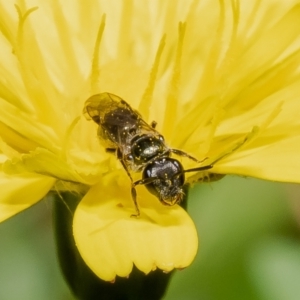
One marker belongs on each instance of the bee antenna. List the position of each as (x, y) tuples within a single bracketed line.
[(193, 170)]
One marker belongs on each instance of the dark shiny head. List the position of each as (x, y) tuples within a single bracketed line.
[(168, 185), (145, 147)]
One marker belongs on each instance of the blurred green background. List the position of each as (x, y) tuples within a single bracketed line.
[(249, 246)]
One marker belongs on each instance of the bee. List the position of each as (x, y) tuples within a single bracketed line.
[(140, 148)]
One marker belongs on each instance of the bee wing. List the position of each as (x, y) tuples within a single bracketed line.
[(117, 121), (96, 106)]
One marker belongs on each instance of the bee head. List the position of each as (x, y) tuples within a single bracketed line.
[(168, 180)]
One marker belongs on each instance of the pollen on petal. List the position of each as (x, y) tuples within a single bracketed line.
[(111, 241)]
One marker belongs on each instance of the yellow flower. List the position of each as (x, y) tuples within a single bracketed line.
[(220, 79)]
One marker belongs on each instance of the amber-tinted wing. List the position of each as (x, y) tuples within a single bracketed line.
[(117, 121), (99, 105)]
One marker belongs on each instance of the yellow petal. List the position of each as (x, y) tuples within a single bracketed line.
[(277, 161), (111, 241), (42, 161), (20, 192), (25, 125), (273, 153)]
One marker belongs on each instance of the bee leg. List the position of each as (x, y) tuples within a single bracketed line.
[(144, 181), (120, 158), (133, 195), (133, 190), (110, 150), (184, 154), (153, 124)]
